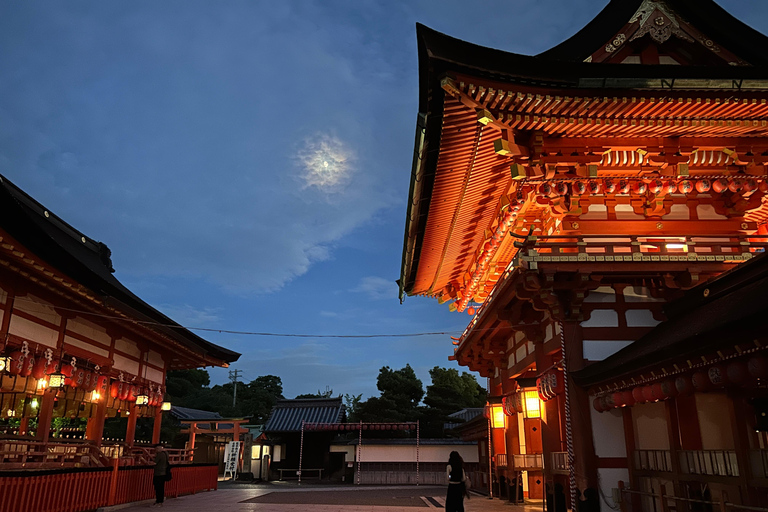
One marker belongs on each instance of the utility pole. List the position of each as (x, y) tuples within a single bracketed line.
[(233, 376)]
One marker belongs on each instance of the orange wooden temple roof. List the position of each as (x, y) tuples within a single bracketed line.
[(495, 126)]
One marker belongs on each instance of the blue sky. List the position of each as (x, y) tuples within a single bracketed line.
[(248, 162)]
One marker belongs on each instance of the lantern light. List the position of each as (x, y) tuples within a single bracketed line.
[(5, 362), (42, 384), (142, 400), (532, 405), (11, 412), (34, 403), (497, 416), (166, 406), (56, 380), (95, 396)]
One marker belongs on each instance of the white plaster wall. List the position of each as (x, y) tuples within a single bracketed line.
[(126, 365), (608, 433), (602, 318), (153, 375), (90, 330), (37, 307), (597, 350), (407, 453), (601, 294), (639, 294), (595, 212), (86, 346), (650, 422), (127, 346), (626, 212), (715, 421), (32, 331), (678, 212), (640, 318), (707, 212), (609, 480), (155, 358)]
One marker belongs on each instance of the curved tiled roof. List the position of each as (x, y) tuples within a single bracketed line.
[(287, 414)]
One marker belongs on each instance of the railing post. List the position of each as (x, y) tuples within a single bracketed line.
[(113, 482), (622, 502), (662, 500), (724, 501)]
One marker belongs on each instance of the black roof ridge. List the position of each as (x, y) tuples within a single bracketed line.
[(24, 219), (750, 44)]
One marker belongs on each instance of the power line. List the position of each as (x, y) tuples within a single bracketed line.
[(248, 333)]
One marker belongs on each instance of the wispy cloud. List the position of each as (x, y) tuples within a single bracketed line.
[(326, 163), (377, 288), (190, 316)]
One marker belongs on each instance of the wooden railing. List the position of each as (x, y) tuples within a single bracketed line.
[(560, 462), (79, 489), (709, 462), (661, 501), (29, 454), (528, 461), (653, 460)]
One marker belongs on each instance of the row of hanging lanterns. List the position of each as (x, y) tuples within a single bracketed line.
[(737, 373), (654, 186), (550, 384), (57, 374), (358, 426)]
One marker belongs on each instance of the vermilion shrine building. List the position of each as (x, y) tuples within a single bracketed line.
[(565, 200), (76, 343)]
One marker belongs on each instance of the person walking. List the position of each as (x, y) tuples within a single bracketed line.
[(454, 501), (162, 466)]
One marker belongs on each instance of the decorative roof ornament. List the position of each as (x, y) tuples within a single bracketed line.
[(659, 20)]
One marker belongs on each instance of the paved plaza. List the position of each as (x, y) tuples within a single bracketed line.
[(305, 498)]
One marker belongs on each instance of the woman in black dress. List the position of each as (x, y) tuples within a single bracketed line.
[(454, 501)]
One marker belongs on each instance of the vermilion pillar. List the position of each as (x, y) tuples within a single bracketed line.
[(45, 415), (130, 431), (156, 426), (94, 431)]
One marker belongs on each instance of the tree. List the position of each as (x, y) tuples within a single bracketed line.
[(401, 393), (353, 407), (451, 392), (328, 393)]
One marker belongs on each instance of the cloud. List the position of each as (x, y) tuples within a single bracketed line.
[(326, 163), (376, 288), (190, 316)]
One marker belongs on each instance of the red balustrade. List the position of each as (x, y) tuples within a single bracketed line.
[(78, 489)]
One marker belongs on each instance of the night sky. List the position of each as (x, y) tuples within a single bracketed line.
[(248, 162)]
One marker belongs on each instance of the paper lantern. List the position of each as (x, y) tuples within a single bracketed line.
[(557, 382), (18, 362), (720, 185), (717, 376), (684, 385), (639, 187), (125, 389), (54, 367), (627, 398), (78, 378), (67, 370), (38, 371), (647, 393), (736, 185), (101, 384), (685, 187), (560, 188), (622, 187), (656, 186), (608, 401), (618, 399), (668, 389), (508, 404), (470, 311), (593, 187), (737, 373), (750, 184), (597, 403), (701, 381), (579, 187), (703, 186), (545, 189), (763, 187), (115, 388), (670, 187), (609, 186), (637, 394), (656, 392), (757, 367)]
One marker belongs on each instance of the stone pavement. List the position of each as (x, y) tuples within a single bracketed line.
[(309, 498)]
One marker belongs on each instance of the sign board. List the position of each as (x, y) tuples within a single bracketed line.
[(231, 458)]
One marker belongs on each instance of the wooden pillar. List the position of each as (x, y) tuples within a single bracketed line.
[(673, 433), (45, 416), (585, 461), (158, 421), (94, 431), (130, 431), (551, 440), (629, 440), (24, 426)]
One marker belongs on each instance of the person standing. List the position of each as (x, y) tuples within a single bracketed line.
[(454, 501), (161, 471)]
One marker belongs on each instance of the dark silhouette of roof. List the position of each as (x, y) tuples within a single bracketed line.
[(287, 414), (185, 413), (88, 262)]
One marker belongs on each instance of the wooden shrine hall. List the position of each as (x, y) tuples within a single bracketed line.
[(563, 201), (77, 344)]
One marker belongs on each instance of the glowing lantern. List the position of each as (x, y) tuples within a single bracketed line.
[(609, 186), (648, 394), (703, 186), (4, 363), (545, 189), (720, 185), (637, 394), (656, 186), (142, 400), (508, 404), (685, 187), (56, 380), (560, 188), (593, 187), (17, 362), (38, 371), (115, 388), (736, 185), (531, 403), (579, 187), (639, 187), (622, 187), (627, 399), (470, 311), (54, 367), (750, 184)]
